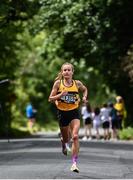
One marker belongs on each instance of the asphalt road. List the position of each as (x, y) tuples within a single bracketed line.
[(41, 158)]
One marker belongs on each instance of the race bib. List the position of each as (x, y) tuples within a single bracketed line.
[(69, 98)]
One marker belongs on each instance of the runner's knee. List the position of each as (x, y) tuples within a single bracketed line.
[(75, 137)]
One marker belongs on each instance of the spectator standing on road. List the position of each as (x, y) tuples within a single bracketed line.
[(87, 120), (119, 106), (65, 94), (114, 122), (105, 120), (96, 121), (30, 114)]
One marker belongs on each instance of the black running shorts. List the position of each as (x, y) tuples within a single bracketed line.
[(106, 125), (88, 121), (65, 117)]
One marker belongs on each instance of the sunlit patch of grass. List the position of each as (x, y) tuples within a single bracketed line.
[(20, 128), (51, 126), (126, 134)]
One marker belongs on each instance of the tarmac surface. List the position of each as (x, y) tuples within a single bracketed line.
[(40, 157)]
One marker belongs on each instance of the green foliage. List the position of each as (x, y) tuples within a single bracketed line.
[(96, 31), (18, 133), (98, 91), (126, 134), (128, 63), (35, 78), (13, 16)]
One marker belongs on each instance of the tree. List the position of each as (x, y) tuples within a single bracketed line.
[(13, 15), (97, 31)]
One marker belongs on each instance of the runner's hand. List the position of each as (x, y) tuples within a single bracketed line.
[(63, 93), (84, 99)]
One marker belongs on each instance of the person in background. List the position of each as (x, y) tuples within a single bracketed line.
[(105, 121), (65, 95), (87, 121), (120, 107), (31, 115), (114, 122), (96, 121)]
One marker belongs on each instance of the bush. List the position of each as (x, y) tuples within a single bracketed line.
[(126, 134)]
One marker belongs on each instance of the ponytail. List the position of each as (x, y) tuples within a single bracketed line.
[(59, 77)]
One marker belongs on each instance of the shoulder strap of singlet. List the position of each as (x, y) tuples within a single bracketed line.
[(76, 84)]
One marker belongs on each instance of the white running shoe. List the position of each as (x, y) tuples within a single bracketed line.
[(84, 138), (68, 148), (74, 168), (90, 138)]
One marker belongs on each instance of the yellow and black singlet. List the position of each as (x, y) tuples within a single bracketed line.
[(69, 101)]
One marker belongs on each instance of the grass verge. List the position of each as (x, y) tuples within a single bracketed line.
[(126, 134)]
